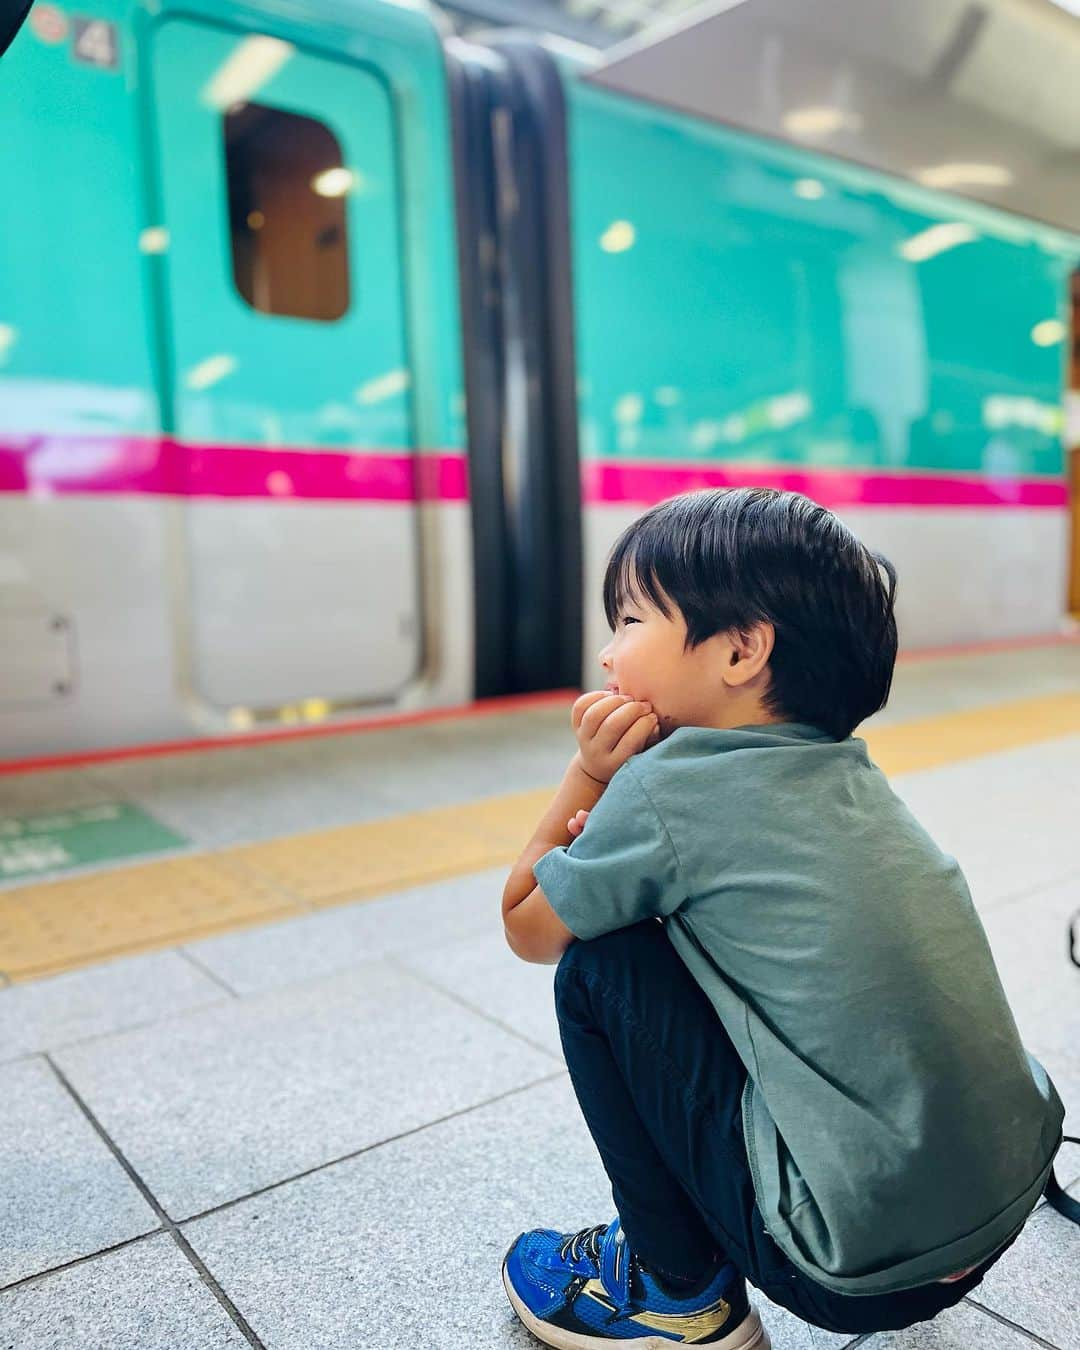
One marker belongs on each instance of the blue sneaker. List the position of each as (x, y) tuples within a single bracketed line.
[(581, 1290)]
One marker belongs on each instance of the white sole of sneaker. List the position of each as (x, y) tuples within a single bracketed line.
[(748, 1335)]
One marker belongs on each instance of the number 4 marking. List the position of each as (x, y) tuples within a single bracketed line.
[(95, 43)]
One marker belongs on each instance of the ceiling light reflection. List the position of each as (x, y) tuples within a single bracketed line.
[(618, 237), (964, 175), (333, 182), (929, 243), (210, 371), (629, 408), (1018, 410), (155, 239), (254, 61), (1048, 332), (383, 387), (822, 120)]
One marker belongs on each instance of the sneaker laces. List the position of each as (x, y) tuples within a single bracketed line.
[(585, 1243)]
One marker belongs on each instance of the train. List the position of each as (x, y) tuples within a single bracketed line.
[(336, 350)]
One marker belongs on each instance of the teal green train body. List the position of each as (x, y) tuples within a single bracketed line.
[(220, 515), (737, 291), (102, 155)]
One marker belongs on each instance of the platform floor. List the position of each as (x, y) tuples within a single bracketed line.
[(291, 1089)]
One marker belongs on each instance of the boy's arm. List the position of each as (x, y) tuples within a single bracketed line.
[(534, 931)]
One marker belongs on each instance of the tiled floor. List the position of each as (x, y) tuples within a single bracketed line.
[(324, 1131)]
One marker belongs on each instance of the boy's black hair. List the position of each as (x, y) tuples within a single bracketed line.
[(733, 557)]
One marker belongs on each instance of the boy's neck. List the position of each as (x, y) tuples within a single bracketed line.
[(743, 712)]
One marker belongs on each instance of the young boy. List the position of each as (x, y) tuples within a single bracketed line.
[(782, 1020)]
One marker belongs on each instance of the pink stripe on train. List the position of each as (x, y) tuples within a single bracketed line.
[(642, 483), (69, 463)]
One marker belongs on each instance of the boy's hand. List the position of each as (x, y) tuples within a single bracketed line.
[(577, 823), (609, 729)]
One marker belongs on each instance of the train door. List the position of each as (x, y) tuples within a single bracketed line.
[(287, 373)]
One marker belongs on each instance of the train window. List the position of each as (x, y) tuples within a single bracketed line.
[(287, 188)]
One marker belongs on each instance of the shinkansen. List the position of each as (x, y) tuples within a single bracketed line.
[(334, 352)]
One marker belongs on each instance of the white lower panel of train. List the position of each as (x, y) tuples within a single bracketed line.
[(965, 575), (125, 620), (132, 619)]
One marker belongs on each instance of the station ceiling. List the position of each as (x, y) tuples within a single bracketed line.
[(976, 97), (598, 23)]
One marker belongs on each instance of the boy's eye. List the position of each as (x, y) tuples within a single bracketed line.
[(627, 618)]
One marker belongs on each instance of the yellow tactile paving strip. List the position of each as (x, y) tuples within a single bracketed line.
[(932, 742), (57, 925), (355, 862), (60, 925)]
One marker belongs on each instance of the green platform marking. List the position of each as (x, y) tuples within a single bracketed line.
[(58, 840)]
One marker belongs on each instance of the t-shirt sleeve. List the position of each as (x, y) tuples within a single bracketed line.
[(621, 869)]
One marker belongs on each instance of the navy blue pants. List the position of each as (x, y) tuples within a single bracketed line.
[(660, 1083)]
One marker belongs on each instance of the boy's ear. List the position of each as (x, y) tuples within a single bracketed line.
[(749, 652)]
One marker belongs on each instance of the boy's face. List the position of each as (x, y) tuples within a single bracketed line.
[(646, 659), (715, 684)]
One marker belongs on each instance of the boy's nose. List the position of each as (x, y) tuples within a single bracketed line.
[(605, 657)]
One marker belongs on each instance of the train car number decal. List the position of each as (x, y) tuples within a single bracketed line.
[(96, 43), (48, 23)]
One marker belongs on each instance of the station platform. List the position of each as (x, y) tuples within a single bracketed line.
[(273, 1078)]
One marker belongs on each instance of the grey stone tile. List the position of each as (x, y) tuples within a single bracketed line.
[(1028, 939), (1009, 819), (527, 729), (147, 1296), (112, 997), (788, 1332), (65, 1195), (333, 940), (1037, 1282), (486, 973), (432, 1214), (223, 797), (25, 794), (932, 688), (472, 758), (221, 1102), (471, 772), (1059, 1059), (962, 1327)]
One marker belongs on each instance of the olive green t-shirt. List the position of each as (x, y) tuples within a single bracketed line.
[(896, 1128)]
